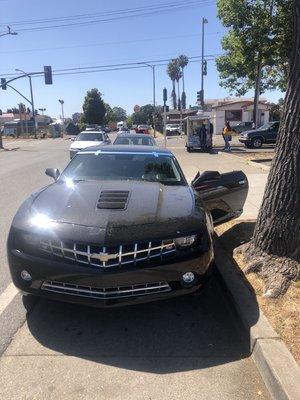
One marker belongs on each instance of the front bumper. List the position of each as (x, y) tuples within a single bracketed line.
[(78, 278), (244, 140)]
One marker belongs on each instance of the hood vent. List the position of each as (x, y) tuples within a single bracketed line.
[(113, 199)]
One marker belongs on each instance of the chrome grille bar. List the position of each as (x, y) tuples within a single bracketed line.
[(106, 293), (105, 257)]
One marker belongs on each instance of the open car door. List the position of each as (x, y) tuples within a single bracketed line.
[(223, 194)]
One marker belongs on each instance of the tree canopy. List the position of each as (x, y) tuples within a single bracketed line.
[(144, 116), (119, 114), (93, 107), (258, 30)]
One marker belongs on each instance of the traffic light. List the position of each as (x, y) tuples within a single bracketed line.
[(3, 84), (165, 95), (204, 67), (200, 96), (48, 74)]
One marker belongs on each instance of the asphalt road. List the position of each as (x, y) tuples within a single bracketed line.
[(199, 337)]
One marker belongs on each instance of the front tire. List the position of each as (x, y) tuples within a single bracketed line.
[(256, 143)]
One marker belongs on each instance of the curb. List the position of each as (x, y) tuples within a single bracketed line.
[(277, 367), (258, 165)]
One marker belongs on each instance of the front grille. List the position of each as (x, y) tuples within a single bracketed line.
[(110, 256), (106, 293), (113, 199)]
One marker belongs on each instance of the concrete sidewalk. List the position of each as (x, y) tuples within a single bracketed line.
[(191, 163)]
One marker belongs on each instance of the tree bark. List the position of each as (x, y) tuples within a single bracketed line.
[(274, 251)]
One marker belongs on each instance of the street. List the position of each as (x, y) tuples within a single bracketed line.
[(190, 347)]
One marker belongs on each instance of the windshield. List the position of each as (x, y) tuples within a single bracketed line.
[(120, 166), (173, 126), (143, 126), (143, 141), (90, 136), (265, 127)]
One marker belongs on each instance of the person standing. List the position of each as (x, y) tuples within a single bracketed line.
[(227, 132)]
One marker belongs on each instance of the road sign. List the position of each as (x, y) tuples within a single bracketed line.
[(136, 108)]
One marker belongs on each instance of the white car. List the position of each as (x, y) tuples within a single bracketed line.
[(88, 139)]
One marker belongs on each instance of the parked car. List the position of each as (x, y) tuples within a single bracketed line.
[(135, 139), (143, 129), (172, 129), (242, 126), (266, 134), (121, 225), (93, 127), (87, 139)]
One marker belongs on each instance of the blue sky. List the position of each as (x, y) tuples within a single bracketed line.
[(152, 37)]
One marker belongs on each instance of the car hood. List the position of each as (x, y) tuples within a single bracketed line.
[(251, 131), (153, 210), (82, 144)]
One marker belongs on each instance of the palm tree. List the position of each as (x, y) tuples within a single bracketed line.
[(183, 62), (177, 75), (171, 71)]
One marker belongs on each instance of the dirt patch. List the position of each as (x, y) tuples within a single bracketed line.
[(283, 313)]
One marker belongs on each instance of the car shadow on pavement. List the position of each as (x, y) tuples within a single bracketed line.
[(187, 333)]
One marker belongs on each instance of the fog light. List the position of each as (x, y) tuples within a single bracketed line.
[(188, 277), (25, 275)]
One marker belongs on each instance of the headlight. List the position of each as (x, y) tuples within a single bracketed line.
[(41, 221), (185, 241)]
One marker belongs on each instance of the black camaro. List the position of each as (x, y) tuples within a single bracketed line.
[(121, 225)]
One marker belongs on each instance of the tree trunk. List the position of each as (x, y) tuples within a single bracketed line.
[(257, 91), (274, 251), (174, 96)]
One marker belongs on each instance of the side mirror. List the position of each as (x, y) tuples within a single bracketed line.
[(73, 139), (53, 172), (205, 176)]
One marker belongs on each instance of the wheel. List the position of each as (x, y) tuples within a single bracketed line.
[(189, 149), (256, 143)]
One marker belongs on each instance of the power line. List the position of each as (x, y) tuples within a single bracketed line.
[(119, 66), (156, 11), (96, 14)]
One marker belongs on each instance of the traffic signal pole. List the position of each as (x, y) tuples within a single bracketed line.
[(204, 21)]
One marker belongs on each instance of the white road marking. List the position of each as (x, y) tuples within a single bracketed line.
[(7, 296)]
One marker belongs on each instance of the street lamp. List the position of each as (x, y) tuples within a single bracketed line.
[(42, 110), (9, 32), (62, 110), (31, 94), (153, 84)]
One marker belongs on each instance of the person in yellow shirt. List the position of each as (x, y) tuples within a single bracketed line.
[(227, 132)]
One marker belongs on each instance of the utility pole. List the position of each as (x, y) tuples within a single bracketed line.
[(31, 96), (21, 109), (153, 89), (258, 73), (62, 110), (204, 21), (153, 79), (165, 98)]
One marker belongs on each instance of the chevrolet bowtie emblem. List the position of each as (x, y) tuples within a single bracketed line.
[(104, 257)]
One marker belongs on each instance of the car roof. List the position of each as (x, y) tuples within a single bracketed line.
[(124, 148), (91, 132), (134, 135)]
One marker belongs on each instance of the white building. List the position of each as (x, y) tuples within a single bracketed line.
[(235, 111)]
